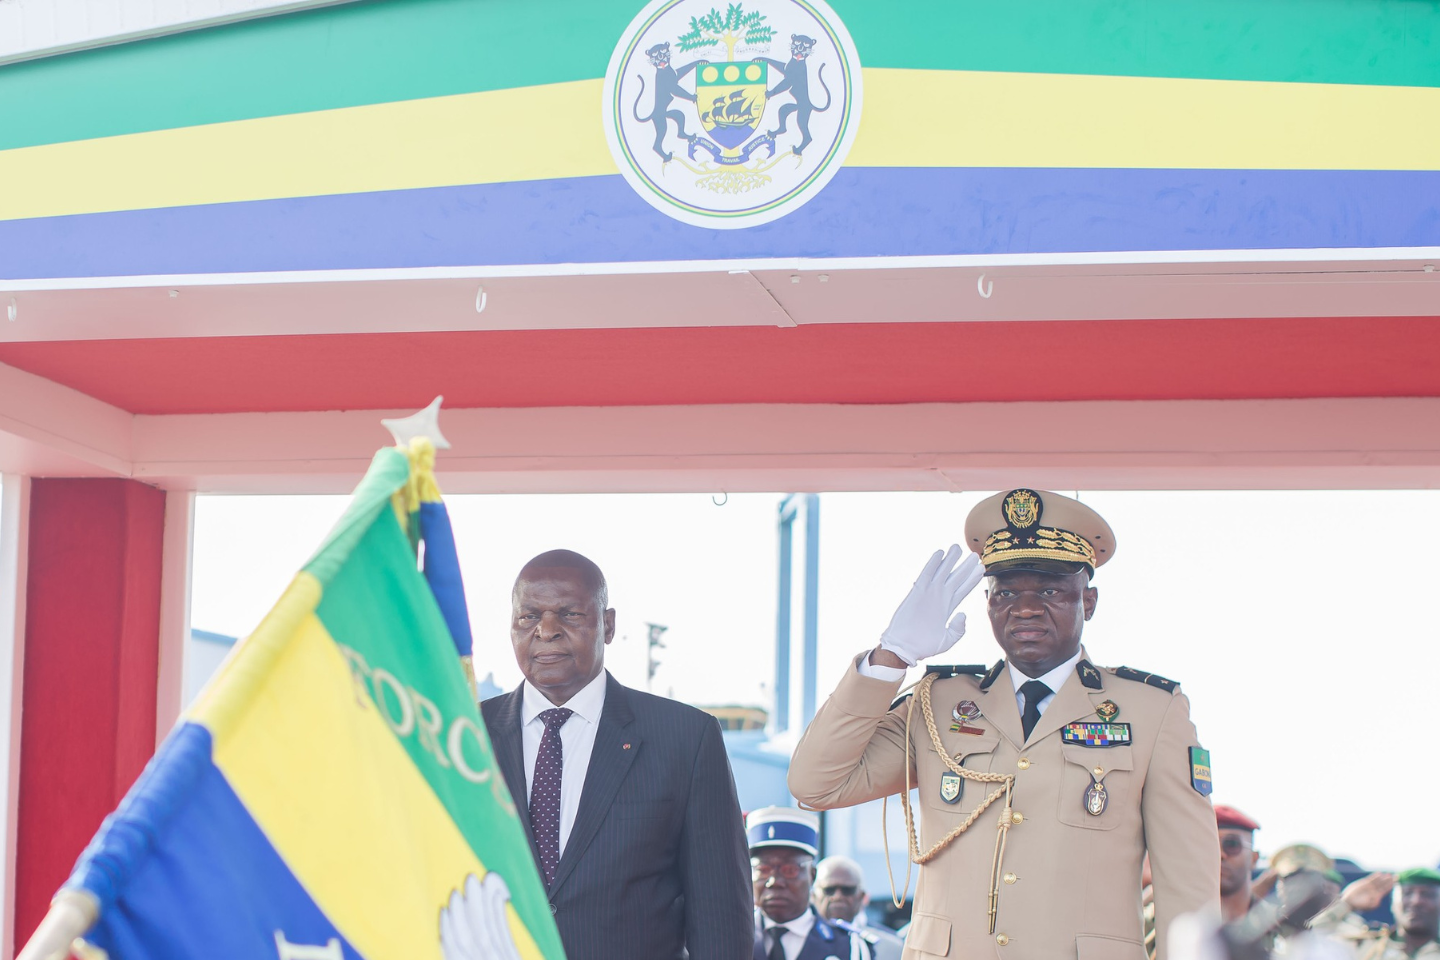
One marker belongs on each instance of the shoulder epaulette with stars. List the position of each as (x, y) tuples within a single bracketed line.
[(994, 672), (944, 671), (1089, 676), (1140, 676)]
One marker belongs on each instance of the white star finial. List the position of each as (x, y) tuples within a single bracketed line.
[(425, 423)]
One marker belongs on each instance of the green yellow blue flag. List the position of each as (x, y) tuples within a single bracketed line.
[(332, 794)]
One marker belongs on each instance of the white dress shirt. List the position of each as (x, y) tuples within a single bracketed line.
[(793, 939), (577, 741), (1053, 680)]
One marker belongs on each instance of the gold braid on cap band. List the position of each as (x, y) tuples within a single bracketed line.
[(922, 693), (1043, 543)]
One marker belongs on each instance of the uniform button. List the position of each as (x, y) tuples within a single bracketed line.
[(1001, 939), (1099, 772), (1017, 817), (1023, 763), (552, 908), (1011, 878)]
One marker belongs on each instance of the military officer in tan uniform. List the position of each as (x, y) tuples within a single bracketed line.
[(1042, 780)]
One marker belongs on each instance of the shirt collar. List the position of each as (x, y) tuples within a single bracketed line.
[(800, 926), (1054, 679), (587, 704)]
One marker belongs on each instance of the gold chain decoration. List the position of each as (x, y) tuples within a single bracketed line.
[(1007, 781)]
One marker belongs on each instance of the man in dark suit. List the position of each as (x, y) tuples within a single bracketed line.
[(783, 843), (628, 798)]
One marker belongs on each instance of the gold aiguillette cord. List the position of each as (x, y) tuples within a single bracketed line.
[(1006, 780)]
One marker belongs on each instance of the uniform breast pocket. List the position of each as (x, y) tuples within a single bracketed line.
[(1097, 785), (942, 788)]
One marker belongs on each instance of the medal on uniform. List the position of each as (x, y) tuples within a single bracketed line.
[(1107, 711), (1096, 734), (951, 786), (1096, 798), (964, 712)]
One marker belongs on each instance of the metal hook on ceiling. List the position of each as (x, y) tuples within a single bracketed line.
[(481, 297), (13, 310), (720, 503), (983, 288)]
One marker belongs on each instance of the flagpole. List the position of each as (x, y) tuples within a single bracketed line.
[(424, 426), (72, 913)]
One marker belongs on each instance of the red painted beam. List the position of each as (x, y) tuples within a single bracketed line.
[(91, 662), (829, 363)]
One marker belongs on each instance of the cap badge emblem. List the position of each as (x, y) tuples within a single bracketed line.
[(1022, 508)]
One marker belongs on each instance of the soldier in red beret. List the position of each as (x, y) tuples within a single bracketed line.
[(1238, 857)]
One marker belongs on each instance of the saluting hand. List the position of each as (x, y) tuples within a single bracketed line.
[(926, 624), (1368, 892)]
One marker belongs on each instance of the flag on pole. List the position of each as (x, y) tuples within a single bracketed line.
[(332, 794)]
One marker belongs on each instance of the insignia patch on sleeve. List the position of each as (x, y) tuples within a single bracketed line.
[(1096, 734), (1200, 771)]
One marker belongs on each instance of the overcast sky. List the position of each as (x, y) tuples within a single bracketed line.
[(1299, 623)]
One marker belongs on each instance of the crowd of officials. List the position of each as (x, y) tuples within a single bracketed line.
[(1065, 809), (1297, 905)]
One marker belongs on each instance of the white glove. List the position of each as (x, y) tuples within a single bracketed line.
[(923, 625)]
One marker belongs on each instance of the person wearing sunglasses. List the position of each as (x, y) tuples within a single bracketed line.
[(840, 895), (783, 845), (1238, 857)]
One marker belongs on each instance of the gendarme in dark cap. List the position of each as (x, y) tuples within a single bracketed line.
[(1026, 529)]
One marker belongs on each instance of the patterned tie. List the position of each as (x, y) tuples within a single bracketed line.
[(545, 791), (1034, 692), (777, 950)]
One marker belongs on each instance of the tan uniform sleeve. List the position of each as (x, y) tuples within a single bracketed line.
[(854, 749), (1180, 831)]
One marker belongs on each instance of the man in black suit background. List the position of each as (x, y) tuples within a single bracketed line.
[(628, 798)]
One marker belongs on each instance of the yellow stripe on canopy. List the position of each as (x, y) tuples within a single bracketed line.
[(910, 118), (298, 725)]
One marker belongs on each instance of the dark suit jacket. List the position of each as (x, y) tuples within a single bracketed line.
[(656, 862)]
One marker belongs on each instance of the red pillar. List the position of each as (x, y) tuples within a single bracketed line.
[(91, 662)]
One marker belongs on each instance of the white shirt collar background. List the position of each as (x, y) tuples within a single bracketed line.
[(796, 932)]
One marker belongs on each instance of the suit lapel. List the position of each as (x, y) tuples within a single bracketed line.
[(610, 761), (998, 706), (507, 739)]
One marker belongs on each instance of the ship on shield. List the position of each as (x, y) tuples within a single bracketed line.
[(731, 101)]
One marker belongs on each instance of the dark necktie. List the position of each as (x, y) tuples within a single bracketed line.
[(777, 950), (545, 791), (1034, 691)]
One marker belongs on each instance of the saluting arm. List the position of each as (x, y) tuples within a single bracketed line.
[(1180, 828), (854, 749)]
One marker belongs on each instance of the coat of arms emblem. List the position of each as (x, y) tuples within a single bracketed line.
[(734, 117)]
